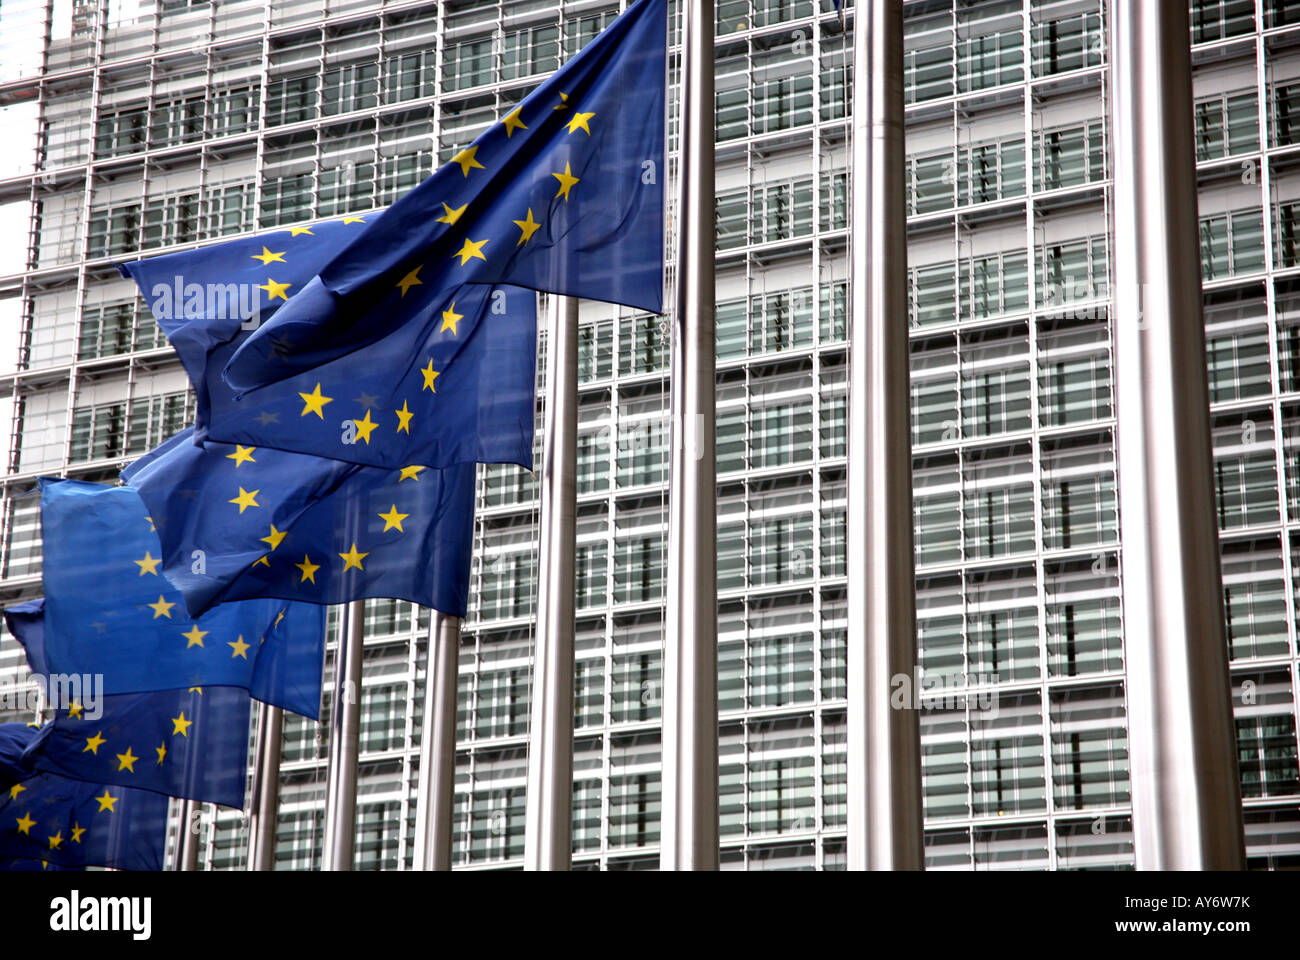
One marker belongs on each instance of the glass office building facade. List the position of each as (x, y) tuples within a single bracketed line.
[(131, 128)]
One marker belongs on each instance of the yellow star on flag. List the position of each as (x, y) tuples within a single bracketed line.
[(314, 402), (308, 569), (347, 220), (450, 318), (298, 231), (25, 823), (513, 123), (564, 102), (274, 537), (365, 427), (579, 122), (195, 636), (56, 841), (126, 761), (472, 250), (240, 647), (430, 375), (77, 831), (451, 216), (404, 420), (352, 558), (393, 520), (162, 753), (18, 788), (241, 455), (246, 499), (274, 291), (567, 182), (181, 725), (162, 608), (74, 710), (410, 473), (149, 564), (94, 743), (528, 226), (106, 802), (412, 279), (266, 256), (468, 160)]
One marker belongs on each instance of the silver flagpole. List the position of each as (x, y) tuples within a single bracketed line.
[(345, 735), (187, 841), (689, 830), (1183, 769), (884, 748), (433, 813), (549, 795), (266, 788)]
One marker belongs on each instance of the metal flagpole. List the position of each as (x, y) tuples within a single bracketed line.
[(433, 814), (266, 788), (187, 842), (689, 836), (549, 794), (1183, 769), (884, 747), (345, 735)]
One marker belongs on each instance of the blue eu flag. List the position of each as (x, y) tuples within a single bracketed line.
[(198, 737), (563, 195), (72, 823), (287, 671), (454, 385), (208, 300), (275, 524), (110, 611), (182, 743)]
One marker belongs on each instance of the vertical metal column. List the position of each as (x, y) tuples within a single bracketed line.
[(549, 795), (689, 829), (884, 744), (187, 840), (266, 788), (1183, 770), (433, 812), (345, 736)]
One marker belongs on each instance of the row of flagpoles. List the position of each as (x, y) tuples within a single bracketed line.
[(1186, 804), (1186, 812)]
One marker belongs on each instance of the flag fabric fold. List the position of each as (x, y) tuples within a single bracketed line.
[(208, 300), (304, 528)]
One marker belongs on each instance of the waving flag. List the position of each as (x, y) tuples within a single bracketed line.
[(402, 405), (182, 743), (563, 195), (303, 528), (287, 671), (208, 300), (71, 823), (110, 611)]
